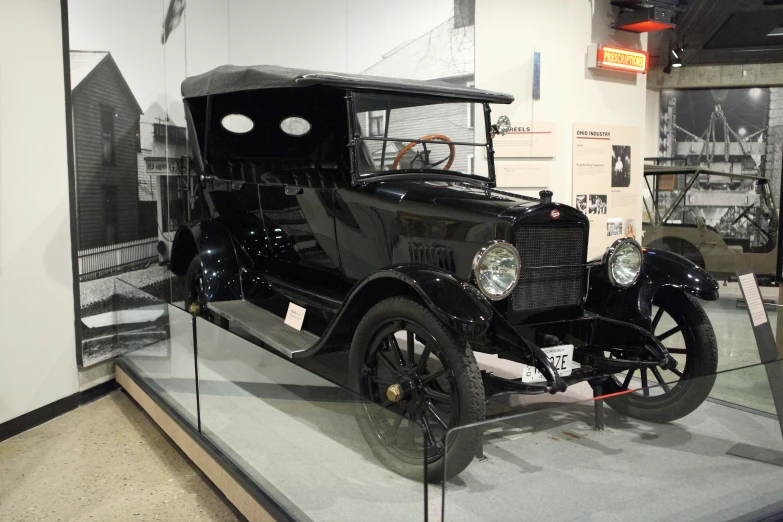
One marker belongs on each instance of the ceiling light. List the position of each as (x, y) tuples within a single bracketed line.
[(643, 20), (674, 59)]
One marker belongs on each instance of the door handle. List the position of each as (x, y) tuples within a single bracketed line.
[(292, 190)]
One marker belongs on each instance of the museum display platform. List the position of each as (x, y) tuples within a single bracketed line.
[(281, 440)]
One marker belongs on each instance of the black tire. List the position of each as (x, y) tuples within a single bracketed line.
[(446, 367), (676, 399)]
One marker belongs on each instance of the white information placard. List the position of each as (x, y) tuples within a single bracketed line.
[(753, 299), (607, 179), (527, 140), (522, 174), (295, 316)]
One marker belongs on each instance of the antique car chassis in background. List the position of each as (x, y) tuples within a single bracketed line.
[(412, 266), (749, 234)]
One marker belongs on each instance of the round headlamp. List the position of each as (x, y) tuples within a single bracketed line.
[(496, 267), (624, 262)]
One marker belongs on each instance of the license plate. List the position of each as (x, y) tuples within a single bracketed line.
[(562, 359)]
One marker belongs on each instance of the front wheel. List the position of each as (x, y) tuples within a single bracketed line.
[(682, 326), (407, 361)]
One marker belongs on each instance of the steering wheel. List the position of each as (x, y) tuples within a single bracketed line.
[(429, 137)]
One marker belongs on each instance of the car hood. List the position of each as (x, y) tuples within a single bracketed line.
[(435, 197)]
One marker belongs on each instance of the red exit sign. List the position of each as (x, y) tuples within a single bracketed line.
[(617, 58)]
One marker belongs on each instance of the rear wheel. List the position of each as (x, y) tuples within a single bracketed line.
[(682, 326), (405, 359)]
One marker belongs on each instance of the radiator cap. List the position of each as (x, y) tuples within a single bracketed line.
[(546, 196)]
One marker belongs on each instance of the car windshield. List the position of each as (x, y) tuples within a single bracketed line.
[(408, 133), (735, 207)]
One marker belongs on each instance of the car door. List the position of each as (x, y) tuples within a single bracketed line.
[(299, 219)]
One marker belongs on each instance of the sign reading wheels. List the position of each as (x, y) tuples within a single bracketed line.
[(607, 183), (527, 140)]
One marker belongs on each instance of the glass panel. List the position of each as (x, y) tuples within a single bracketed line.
[(159, 339), (720, 222), (391, 125), (551, 460), (299, 436)]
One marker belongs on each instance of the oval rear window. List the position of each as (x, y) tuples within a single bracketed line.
[(295, 126), (237, 123)]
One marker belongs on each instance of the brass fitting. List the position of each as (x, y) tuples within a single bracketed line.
[(394, 392)]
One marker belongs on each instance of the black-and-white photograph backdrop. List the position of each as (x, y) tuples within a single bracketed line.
[(735, 130), (127, 61)]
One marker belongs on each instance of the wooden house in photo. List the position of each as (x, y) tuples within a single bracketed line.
[(106, 142)]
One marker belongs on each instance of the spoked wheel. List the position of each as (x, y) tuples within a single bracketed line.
[(682, 326), (426, 380)]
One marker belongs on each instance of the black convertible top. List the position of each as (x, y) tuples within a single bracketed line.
[(233, 78)]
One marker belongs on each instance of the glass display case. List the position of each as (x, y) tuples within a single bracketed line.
[(292, 432)]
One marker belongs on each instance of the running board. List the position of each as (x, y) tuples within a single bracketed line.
[(263, 325)]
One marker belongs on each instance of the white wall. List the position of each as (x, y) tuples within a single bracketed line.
[(507, 34), (37, 350)]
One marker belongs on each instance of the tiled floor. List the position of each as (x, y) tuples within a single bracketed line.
[(103, 461)]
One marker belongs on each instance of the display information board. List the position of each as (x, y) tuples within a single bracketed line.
[(512, 174), (607, 181), (527, 140)]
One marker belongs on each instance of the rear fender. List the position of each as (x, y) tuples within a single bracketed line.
[(185, 247), (660, 269), (219, 260)]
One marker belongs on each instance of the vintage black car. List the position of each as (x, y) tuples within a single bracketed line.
[(371, 204)]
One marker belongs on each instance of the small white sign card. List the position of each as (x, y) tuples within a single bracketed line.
[(753, 299), (295, 316)]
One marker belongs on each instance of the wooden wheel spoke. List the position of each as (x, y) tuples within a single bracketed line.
[(645, 389), (436, 395), (395, 369), (425, 355), (434, 412), (392, 433), (428, 430), (411, 351), (628, 377), (381, 380), (656, 320), (669, 333), (391, 342), (679, 351), (676, 372), (431, 377), (659, 378)]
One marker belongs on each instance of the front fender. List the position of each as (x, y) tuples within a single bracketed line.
[(660, 269), (455, 302)]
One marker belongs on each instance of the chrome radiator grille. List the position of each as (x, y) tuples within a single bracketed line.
[(538, 246)]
